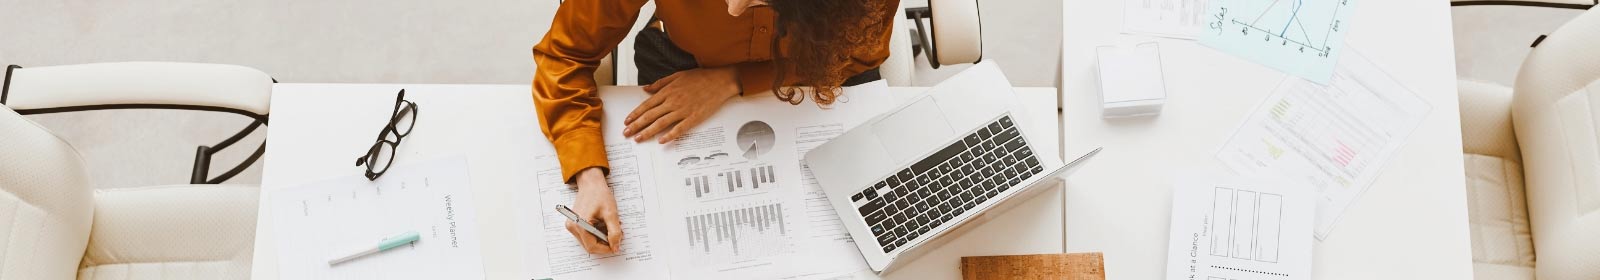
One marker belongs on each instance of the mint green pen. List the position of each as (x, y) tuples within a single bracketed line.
[(382, 245)]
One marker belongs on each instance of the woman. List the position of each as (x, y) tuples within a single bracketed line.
[(695, 55)]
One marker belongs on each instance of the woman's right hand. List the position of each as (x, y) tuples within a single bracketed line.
[(596, 204)]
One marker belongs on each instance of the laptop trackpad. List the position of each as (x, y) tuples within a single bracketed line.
[(913, 131)]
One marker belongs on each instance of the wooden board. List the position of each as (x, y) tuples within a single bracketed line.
[(1046, 266)]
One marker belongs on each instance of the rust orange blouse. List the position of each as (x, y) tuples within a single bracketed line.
[(585, 31)]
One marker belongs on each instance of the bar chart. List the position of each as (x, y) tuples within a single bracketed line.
[(1247, 224), (737, 233), (731, 183)]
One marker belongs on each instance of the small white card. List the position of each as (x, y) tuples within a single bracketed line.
[(1131, 81), (1240, 229)]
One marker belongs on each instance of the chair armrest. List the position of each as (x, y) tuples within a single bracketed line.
[(239, 88), (957, 31), (193, 223), (1486, 120)]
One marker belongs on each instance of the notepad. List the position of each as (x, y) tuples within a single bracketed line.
[(432, 198), (1131, 81)]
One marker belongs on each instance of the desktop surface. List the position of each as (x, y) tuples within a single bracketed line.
[(1410, 224), (318, 129)]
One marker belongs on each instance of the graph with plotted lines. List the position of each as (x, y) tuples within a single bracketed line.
[(1298, 37)]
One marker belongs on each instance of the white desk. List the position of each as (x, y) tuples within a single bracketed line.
[(318, 130), (1411, 224)]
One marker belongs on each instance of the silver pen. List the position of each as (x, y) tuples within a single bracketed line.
[(599, 234)]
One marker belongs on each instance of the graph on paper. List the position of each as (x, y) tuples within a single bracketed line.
[(1240, 228), (738, 233), (731, 183), (1299, 37), (1247, 224)]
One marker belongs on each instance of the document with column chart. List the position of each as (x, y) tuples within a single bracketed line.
[(730, 199), (1232, 229), (1335, 137), (734, 199)]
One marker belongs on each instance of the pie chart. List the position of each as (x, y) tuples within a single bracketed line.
[(755, 139)]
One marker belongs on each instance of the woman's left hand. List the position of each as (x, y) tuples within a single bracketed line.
[(681, 101)]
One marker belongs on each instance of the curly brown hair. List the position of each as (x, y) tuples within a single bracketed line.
[(823, 35)]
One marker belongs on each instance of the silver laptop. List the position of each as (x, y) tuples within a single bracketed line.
[(905, 180)]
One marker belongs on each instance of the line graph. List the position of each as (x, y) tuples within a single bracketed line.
[(1299, 37)]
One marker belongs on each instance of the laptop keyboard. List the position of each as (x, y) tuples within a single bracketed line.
[(955, 179)]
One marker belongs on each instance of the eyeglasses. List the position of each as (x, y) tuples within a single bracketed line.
[(381, 154)]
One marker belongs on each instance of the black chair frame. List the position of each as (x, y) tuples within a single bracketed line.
[(923, 43), (200, 173)]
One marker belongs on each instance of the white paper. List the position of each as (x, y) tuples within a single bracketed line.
[(1181, 19), (567, 258), (1334, 137), (550, 251), (433, 198), (1239, 229), (734, 199), (1298, 37)]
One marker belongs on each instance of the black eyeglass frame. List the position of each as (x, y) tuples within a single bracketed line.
[(401, 108)]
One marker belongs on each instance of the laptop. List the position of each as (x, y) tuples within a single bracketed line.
[(906, 181)]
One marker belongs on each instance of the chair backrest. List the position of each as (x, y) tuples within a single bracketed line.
[(957, 31), (46, 206), (1556, 114)]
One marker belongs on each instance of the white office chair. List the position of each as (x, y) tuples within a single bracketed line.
[(53, 225), (952, 36), (1533, 162)]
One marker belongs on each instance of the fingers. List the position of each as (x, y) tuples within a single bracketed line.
[(650, 103), (654, 99), (588, 241), (683, 127), (645, 120), (613, 230), (652, 88), (659, 125)]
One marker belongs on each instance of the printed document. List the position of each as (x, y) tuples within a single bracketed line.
[(735, 203), (1239, 229), (1298, 37), (1335, 137), (318, 220), (550, 251)]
